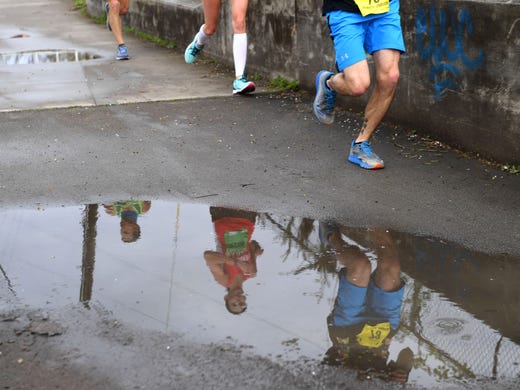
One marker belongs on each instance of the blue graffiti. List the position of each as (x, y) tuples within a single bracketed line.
[(433, 45)]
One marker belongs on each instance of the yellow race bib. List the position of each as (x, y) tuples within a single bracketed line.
[(373, 336), (373, 6)]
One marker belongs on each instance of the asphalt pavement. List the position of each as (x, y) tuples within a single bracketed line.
[(198, 141), (153, 127)]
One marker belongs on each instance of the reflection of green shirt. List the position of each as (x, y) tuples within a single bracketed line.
[(135, 206), (236, 242)]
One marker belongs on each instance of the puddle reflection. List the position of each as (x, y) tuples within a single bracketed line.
[(129, 211), (234, 260), (367, 308), (387, 304), (45, 56)]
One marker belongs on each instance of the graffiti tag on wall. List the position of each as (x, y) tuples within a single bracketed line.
[(440, 40)]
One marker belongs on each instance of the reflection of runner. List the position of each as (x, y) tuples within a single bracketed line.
[(234, 261), (367, 309), (129, 211)]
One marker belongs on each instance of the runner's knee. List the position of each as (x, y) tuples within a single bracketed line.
[(389, 80), (239, 25)]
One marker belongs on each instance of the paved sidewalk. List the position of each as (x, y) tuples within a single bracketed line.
[(218, 146), (153, 73)]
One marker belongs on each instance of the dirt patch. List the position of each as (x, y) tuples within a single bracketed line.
[(85, 348)]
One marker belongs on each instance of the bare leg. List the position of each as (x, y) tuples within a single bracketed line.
[(386, 64), (388, 272), (238, 12), (356, 262), (355, 81), (211, 16), (117, 8)]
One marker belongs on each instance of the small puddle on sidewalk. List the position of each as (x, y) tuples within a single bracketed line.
[(159, 265), (45, 56)]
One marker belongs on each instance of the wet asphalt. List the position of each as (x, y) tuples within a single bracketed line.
[(154, 128), (192, 138)]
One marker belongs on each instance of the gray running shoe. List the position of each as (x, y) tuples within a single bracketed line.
[(122, 53), (323, 106), (361, 154)]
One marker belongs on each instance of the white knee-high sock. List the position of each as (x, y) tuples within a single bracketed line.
[(202, 38), (240, 53)]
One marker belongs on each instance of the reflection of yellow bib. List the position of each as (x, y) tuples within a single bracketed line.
[(373, 6), (373, 336)]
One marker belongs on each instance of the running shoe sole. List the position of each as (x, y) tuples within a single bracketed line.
[(357, 161), (248, 88)]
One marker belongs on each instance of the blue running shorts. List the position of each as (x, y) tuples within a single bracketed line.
[(355, 305), (354, 35)]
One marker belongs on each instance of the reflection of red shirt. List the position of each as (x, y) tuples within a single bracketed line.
[(233, 236)]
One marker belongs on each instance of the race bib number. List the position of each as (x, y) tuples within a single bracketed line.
[(368, 7), (373, 336)]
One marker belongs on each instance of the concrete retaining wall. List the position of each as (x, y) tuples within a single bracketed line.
[(460, 80)]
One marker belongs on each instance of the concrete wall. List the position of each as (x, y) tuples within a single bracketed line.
[(460, 80)]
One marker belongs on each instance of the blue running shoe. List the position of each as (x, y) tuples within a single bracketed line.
[(107, 9), (243, 86), (192, 51), (361, 154), (122, 53), (323, 106)]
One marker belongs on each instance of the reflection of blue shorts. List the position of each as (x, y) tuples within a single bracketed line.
[(370, 304), (353, 34)]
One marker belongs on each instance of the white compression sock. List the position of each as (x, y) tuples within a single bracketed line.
[(240, 53), (202, 38)]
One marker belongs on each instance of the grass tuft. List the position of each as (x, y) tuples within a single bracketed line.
[(282, 83)]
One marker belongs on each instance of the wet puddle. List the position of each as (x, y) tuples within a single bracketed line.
[(452, 317), (45, 56)]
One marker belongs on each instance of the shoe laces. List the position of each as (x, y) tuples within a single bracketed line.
[(330, 99), (366, 148), (195, 50)]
